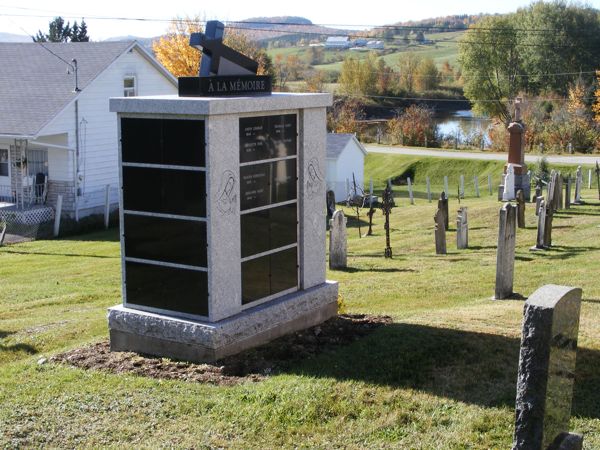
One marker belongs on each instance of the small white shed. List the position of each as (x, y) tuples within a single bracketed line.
[(345, 158)]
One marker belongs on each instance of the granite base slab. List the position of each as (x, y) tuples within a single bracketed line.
[(197, 341)]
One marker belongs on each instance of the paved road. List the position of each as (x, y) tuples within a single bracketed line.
[(483, 156)]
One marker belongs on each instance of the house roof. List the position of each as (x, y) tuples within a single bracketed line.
[(337, 142), (36, 83)]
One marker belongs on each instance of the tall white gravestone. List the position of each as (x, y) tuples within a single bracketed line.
[(222, 222), (509, 184)]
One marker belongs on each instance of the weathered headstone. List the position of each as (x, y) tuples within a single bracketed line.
[(547, 370), (428, 183), (410, 192), (338, 241), (443, 206), (461, 188), (548, 226), (578, 185), (539, 242), (520, 208), (440, 232), (537, 197), (476, 185), (330, 203), (558, 194), (551, 190), (567, 203), (462, 228), (589, 178), (509, 184), (446, 185), (505, 257), (490, 189)]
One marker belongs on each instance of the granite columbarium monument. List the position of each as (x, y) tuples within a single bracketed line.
[(222, 212)]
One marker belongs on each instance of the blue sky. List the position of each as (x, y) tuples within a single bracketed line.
[(17, 16)]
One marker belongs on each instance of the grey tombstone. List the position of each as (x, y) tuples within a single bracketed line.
[(539, 242), (538, 200), (440, 232), (520, 209), (578, 185), (338, 238), (443, 206), (410, 192), (490, 190), (476, 185), (551, 190), (567, 203), (462, 228), (558, 195), (549, 216), (446, 186), (461, 187), (428, 183), (537, 196), (547, 370), (589, 178), (505, 257), (330, 199)]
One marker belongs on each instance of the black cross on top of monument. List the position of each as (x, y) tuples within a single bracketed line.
[(217, 58)]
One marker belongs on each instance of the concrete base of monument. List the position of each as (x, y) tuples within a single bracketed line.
[(177, 338)]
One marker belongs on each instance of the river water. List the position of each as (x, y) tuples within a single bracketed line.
[(462, 126)]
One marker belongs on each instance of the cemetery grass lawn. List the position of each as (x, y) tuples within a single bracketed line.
[(441, 376)]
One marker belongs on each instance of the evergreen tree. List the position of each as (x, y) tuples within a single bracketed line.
[(58, 31)]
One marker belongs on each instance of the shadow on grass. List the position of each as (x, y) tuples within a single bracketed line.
[(572, 213), (482, 247), (76, 255), (15, 348), (367, 269), (564, 252), (110, 235), (476, 368), (590, 300)]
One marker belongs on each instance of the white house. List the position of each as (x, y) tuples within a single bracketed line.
[(57, 135), (345, 158), (338, 42)]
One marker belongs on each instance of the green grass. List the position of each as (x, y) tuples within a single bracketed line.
[(441, 376)]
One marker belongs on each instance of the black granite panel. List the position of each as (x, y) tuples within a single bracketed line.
[(255, 279), (255, 232), (267, 137), (268, 229), (268, 183), (167, 288), (169, 240), (284, 270), (283, 226), (164, 191), (163, 141)]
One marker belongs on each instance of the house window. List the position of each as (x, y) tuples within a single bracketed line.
[(129, 87), (3, 162)]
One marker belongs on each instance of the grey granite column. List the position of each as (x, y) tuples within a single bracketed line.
[(547, 370), (312, 196), (223, 218), (505, 258)]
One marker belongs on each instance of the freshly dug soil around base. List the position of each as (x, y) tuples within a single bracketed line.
[(251, 365)]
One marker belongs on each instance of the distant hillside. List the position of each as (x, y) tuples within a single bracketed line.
[(290, 27), (144, 42), (9, 37), (445, 23)]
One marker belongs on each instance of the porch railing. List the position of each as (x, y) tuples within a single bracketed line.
[(7, 195)]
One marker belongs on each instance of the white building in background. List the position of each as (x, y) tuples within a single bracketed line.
[(375, 45), (338, 42), (345, 158), (57, 136)]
